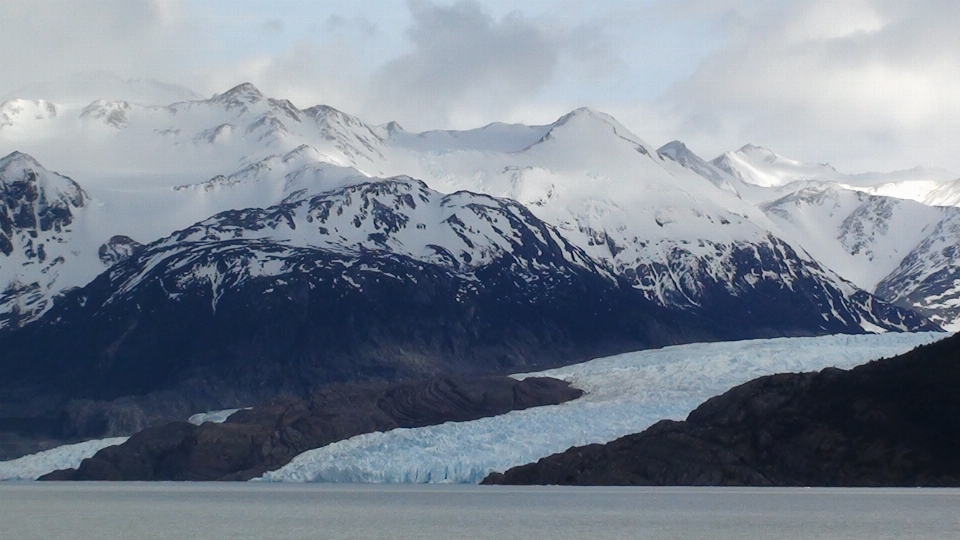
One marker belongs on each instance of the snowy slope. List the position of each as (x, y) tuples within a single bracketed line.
[(679, 238), (757, 167), (928, 278), (862, 237), (625, 394), (399, 215), (882, 232), (944, 194), (119, 141), (677, 151), (904, 251)]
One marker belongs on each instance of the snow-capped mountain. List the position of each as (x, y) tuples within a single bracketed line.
[(215, 251), (893, 246), (385, 278), (862, 237), (21, 113), (757, 167), (39, 211), (79, 89), (671, 224), (928, 278), (677, 151), (680, 240)]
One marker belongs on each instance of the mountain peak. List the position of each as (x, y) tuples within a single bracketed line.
[(18, 159), (394, 127), (758, 152), (244, 92), (584, 113), (320, 111), (678, 152), (49, 188), (674, 150), (586, 120)]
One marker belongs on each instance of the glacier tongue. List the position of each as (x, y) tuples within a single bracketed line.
[(625, 394), (67, 456)]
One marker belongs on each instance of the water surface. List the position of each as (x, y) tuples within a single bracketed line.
[(199, 511)]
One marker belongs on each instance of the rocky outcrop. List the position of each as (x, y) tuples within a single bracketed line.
[(118, 248), (892, 422), (254, 441)]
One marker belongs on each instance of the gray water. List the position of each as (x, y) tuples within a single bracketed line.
[(54, 511)]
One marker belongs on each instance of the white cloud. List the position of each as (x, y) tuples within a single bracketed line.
[(861, 83), (142, 38), (864, 84), (456, 65), (463, 64)]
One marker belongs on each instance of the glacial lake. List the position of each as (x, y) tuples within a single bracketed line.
[(198, 511)]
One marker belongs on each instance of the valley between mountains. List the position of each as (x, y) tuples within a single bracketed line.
[(160, 259)]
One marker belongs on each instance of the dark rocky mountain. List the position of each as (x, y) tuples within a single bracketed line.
[(377, 280), (888, 423), (252, 442), (229, 312)]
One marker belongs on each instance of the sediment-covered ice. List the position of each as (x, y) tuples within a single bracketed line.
[(67, 456), (624, 394)]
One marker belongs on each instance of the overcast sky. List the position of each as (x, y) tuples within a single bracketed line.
[(863, 84)]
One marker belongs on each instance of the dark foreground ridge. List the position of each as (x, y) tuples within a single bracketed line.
[(252, 442), (890, 423)]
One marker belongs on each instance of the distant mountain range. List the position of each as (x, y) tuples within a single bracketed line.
[(247, 246)]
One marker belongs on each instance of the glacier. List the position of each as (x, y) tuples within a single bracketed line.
[(624, 394), (69, 456)]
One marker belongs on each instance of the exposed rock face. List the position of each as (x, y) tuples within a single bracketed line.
[(255, 441), (118, 248), (889, 423)]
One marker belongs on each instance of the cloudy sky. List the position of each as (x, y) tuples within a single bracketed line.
[(863, 84)]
